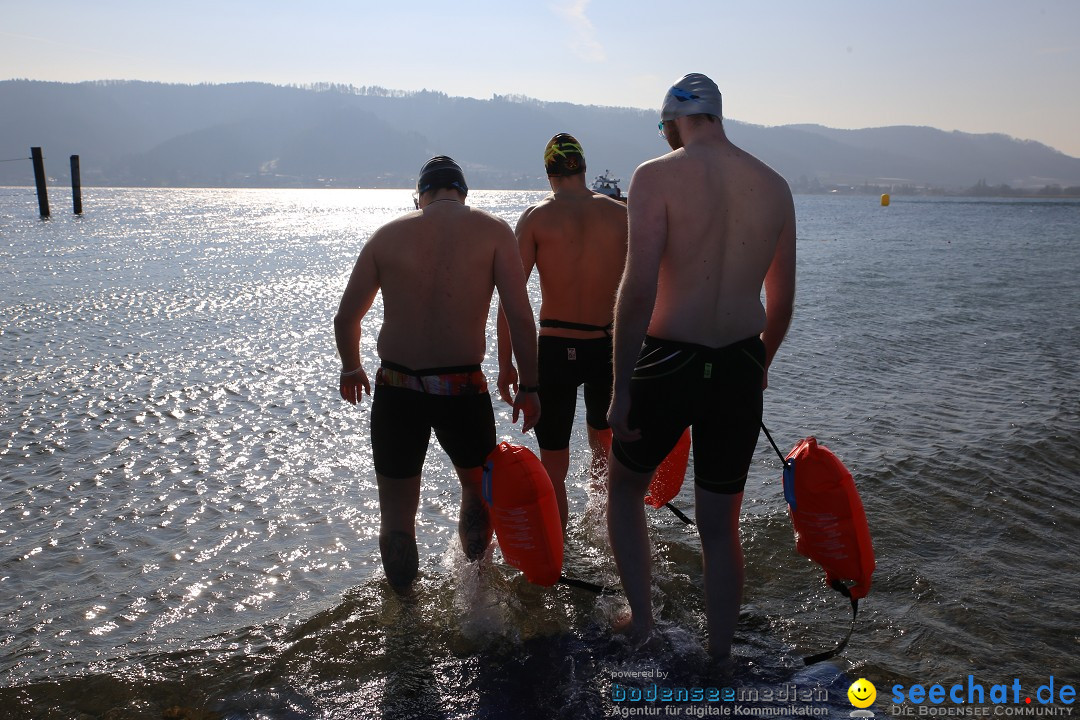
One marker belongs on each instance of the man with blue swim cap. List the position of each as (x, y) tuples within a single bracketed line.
[(710, 225), (692, 94)]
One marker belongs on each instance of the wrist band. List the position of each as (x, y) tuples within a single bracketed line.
[(528, 388), (357, 371)]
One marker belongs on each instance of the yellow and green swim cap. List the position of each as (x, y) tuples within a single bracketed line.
[(563, 156)]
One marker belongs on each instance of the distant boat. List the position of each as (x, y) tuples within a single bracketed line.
[(606, 185)]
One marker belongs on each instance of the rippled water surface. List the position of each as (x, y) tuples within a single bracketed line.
[(188, 521)]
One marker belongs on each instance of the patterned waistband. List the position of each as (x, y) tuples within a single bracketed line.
[(449, 382)]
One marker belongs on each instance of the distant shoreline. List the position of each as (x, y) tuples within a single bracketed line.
[(60, 187), (131, 133)]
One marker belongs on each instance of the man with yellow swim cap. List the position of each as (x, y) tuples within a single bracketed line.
[(576, 239), (710, 225)]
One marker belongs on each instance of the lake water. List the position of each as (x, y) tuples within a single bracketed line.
[(188, 517)]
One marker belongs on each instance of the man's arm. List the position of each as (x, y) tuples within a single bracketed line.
[(355, 302), (526, 240), (514, 302), (637, 290), (779, 290), (508, 374)]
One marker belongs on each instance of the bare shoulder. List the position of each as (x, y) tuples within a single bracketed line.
[(775, 179), (658, 167), (539, 215), (545, 207), (611, 212), (533, 210), (653, 166), (649, 179), (487, 223), (393, 230), (780, 189), (609, 204), (488, 218)]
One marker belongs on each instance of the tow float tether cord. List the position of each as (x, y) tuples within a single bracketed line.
[(682, 516), (586, 585)]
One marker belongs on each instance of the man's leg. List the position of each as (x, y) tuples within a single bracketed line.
[(630, 544), (474, 521), (717, 517), (600, 443), (558, 401), (597, 394), (465, 428), (398, 502), (557, 464)]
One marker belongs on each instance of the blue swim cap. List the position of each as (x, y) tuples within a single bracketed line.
[(692, 94)]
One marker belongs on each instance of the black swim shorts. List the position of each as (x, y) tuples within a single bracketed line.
[(409, 404), (717, 391), (564, 364)]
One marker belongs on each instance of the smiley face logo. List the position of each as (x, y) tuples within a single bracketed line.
[(862, 693)]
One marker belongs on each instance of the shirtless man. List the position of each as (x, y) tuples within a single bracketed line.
[(577, 240), (709, 226), (432, 341)]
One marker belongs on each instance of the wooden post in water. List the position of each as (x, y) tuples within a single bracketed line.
[(76, 185), (39, 179)]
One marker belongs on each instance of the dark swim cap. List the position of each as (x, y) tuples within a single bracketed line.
[(692, 94), (441, 172), (563, 156)]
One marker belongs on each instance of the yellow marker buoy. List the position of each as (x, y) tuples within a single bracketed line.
[(885, 200)]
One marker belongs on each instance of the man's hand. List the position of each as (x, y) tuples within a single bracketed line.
[(528, 404), (618, 418), (351, 384), (508, 378)]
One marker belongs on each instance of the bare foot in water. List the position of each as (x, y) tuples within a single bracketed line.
[(400, 560), (639, 636), (474, 528), (623, 624)]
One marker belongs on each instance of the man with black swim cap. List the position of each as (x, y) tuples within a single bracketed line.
[(437, 268), (710, 225), (577, 240), (441, 172)]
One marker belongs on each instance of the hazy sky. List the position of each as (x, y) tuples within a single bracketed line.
[(1009, 66)]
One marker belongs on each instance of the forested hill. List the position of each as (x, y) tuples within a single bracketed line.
[(258, 135)]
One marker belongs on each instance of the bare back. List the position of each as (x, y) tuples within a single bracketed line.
[(437, 269), (725, 214), (577, 241)]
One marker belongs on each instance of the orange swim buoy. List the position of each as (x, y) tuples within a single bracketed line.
[(828, 517), (830, 524), (524, 512), (668, 479)]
